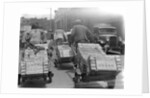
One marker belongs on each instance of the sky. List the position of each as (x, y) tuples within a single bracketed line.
[(30, 12), (39, 12)]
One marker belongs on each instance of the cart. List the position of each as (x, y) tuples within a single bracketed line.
[(95, 65), (64, 54), (34, 67)]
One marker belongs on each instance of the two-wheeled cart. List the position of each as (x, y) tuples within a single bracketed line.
[(64, 54), (95, 65), (34, 66)]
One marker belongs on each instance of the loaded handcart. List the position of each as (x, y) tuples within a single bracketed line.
[(64, 53), (95, 65), (34, 66)]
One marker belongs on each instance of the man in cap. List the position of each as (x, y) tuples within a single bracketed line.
[(59, 36), (80, 34)]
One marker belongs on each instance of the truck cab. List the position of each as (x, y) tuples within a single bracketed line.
[(107, 37)]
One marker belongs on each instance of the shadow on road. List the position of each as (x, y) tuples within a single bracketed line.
[(65, 66), (36, 83), (70, 73)]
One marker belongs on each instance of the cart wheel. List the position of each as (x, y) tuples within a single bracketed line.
[(23, 80), (56, 63), (49, 79), (83, 77), (111, 84), (50, 75), (76, 79), (19, 79), (45, 78)]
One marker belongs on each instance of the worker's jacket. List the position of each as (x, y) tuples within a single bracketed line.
[(28, 38), (80, 33)]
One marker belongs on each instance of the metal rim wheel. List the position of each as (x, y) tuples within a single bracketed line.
[(76, 78), (56, 63), (83, 77), (23, 80), (19, 79), (50, 75), (111, 84), (45, 78), (49, 79)]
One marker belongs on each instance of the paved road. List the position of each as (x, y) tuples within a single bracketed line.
[(64, 74)]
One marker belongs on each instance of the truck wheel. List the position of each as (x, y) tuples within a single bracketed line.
[(111, 84)]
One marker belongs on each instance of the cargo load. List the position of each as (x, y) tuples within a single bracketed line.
[(35, 66), (65, 51), (65, 54), (95, 65)]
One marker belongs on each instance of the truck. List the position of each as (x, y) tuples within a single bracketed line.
[(95, 65), (108, 38)]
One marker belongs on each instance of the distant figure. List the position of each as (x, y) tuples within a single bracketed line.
[(80, 34), (43, 37), (22, 44), (22, 40), (59, 36), (28, 39), (28, 42)]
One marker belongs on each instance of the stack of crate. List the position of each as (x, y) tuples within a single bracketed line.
[(106, 63), (35, 63), (29, 53), (119, 62), (65, 51), (43, 55)]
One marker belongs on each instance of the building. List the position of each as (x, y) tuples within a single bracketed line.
[(64, 18)]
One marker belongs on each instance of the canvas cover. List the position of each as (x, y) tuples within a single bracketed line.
[(65, 51), (102, 61), (34, 64)]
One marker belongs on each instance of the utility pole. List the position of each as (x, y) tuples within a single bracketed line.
[(50, 18)]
